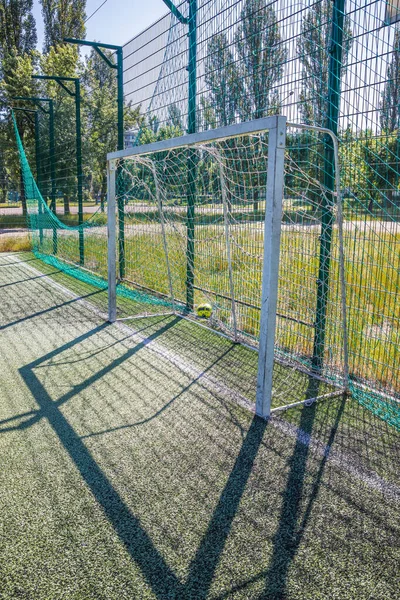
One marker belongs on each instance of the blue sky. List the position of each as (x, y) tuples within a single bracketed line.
[(116, 22)]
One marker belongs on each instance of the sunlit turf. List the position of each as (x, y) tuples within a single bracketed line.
[(123, 477)]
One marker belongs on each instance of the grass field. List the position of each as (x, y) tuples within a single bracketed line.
[(128, 469), (372, 265), (15, 243), (17, 221)]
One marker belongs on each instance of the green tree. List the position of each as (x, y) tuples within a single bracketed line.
[(61, 61), (206, 118), (62, 18), (313, 52), (390, 103), (369, 168), (17, 27), (226, 92), (17, 81), (174, 116), (262, 55), (101, 116), (17, 42)]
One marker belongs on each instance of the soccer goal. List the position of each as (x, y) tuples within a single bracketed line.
[(197, 226)]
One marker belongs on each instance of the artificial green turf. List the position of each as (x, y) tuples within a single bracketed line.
[(121, 476)]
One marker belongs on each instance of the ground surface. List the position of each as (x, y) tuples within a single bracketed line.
[(128, 470)]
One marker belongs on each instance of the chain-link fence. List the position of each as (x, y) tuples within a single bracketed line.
[(302, 59), (333, 64)]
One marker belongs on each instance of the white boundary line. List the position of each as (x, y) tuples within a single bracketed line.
[(334, 457)]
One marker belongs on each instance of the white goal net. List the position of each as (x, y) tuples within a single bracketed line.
[(197, 226)]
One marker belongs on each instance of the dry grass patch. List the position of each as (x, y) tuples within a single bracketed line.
[(15, 243)]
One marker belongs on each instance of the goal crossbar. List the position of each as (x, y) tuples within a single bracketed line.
[(276, 128), (221, 133)]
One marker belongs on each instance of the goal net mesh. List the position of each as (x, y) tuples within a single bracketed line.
[(194, 234), (192, 223)]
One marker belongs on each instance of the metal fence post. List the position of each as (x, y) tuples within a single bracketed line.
[(38, 177), (192, 161), (53, 174), (335, 65), (79, 172), (121, 197), (99, 47)]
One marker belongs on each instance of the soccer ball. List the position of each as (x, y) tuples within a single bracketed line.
[(204, 310)]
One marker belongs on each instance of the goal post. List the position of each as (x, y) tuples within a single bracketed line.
[(232, 218), (269, 293), (208, 147), (111, 242)]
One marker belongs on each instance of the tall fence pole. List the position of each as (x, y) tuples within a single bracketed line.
[(192, 162), (53, 173), (52, 159), (79, 172), (99, 47), (334, 75), (27, 112), (121, 199), (191, 21), (76, 94), (38, 176), (50, 112)]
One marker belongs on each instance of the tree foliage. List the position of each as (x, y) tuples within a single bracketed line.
[(61, 61), (262, 55), (101, 118), (225, 87), (313, 52), (17, 42), (62, 18), (241, 76), (17, 27), (17, 81), (390, 103), (370, 167)]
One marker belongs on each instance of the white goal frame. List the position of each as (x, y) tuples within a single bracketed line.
[(276, 128)]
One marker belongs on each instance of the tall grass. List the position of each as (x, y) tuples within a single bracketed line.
[(372, 273), (15, 243)]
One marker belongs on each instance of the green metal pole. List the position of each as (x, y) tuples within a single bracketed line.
[(192, 158), (50, 112), (120, 90), (79, 173), (120, 98), (121, 203), (38, 176), (78, 131), (52, 158), (53, 173), (334, 76), (37, 149)]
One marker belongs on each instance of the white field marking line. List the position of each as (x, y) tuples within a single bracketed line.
[(336, 458)]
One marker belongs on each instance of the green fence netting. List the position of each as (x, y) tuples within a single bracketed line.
[(249, 59), (255, 58), (58, 244)]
